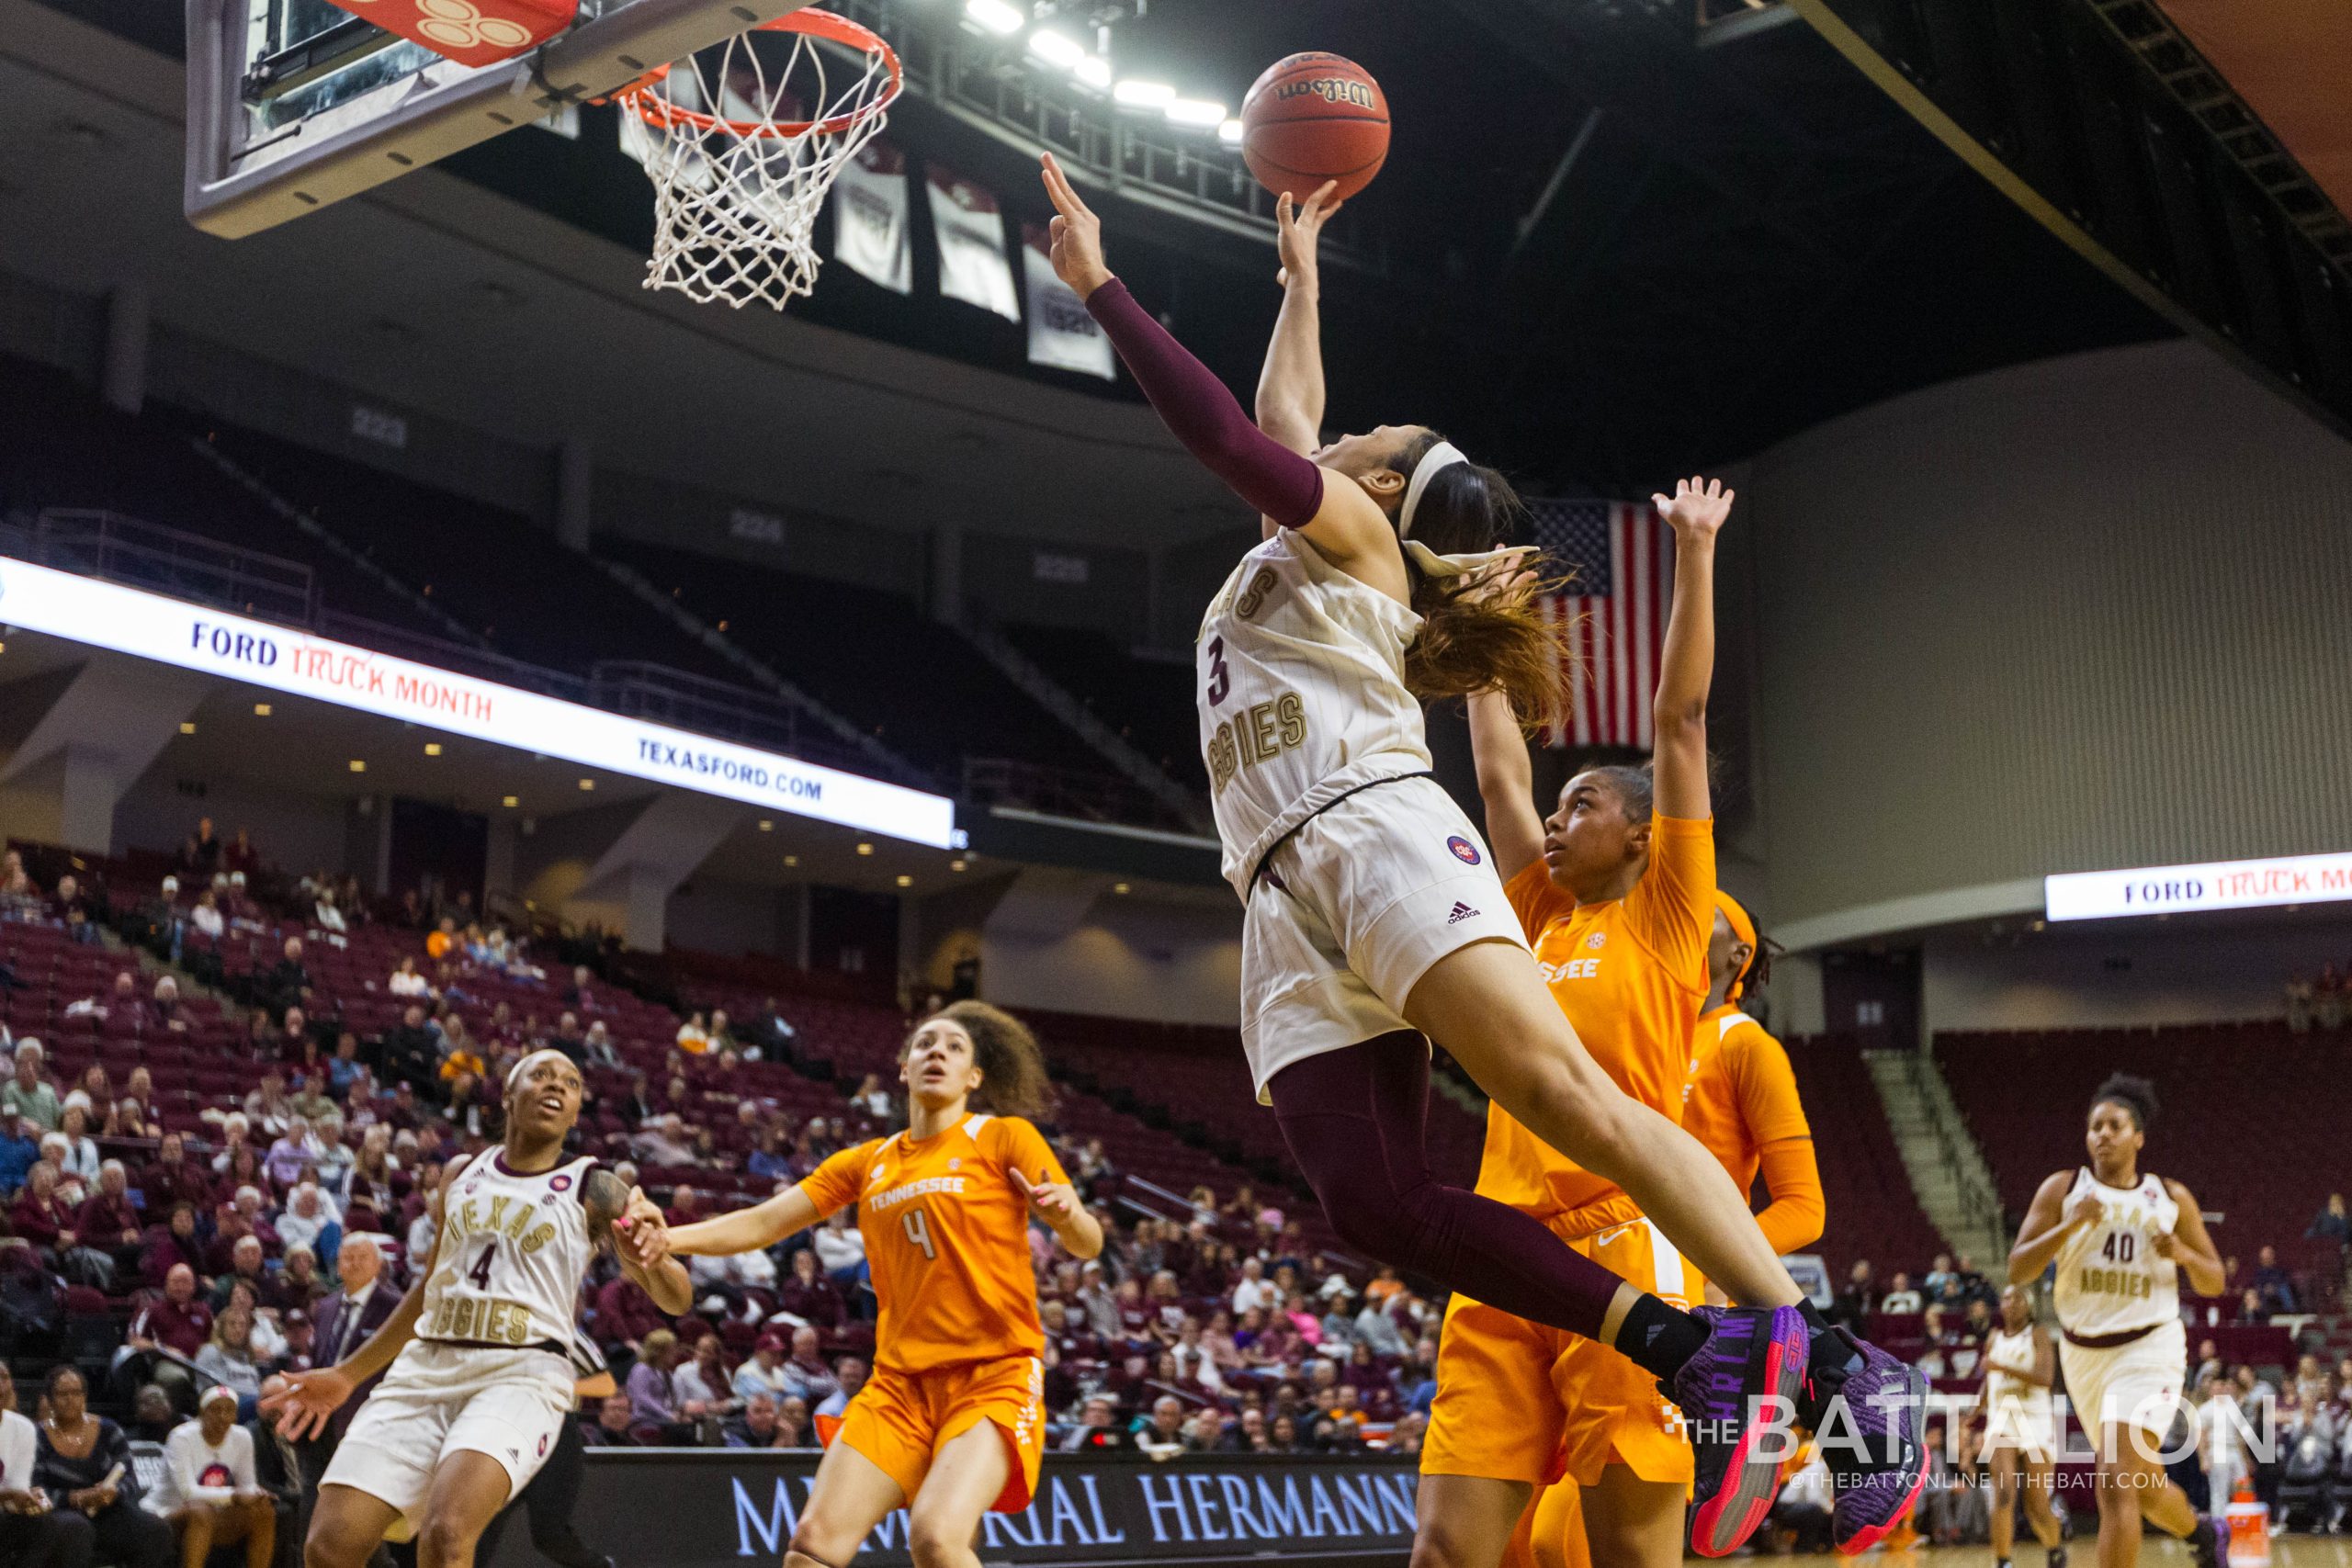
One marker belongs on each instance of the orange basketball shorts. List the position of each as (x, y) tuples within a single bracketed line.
[(902, 1421), (1517, 1401)]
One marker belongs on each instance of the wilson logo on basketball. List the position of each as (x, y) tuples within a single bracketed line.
[(1464, 849), (1330, 89)]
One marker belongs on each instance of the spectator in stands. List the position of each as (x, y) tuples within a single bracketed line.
[(14, 883), (2333, 1222), (761, 1426), (1097, 1425), (172, 1245), (290, 1157), (409, 1053), (1900, 1300), (722, 1033), (83, 1462), (624, 1313), (74, 909), (2275, 1285), (808, 1294), (173, 1177), (2252, 1309), (153, 1419), (29, 1094), (841, 1249), (77, 1159), (873, 1099), (568, 1039), (228, 1356), (43, 1221), (806, 1375), (210, 1490), (288, 984), (763, 1373), (19, 1147), (612, 1427), (203, 852), (2327, 994), (1254, 1291), (653, 1397), (206, 916), (297, 1286), (345, 1068), (269, 1110), (324, 915), (693, 1035), (310, 1222), (598, 1045), (110, 1221), (701, 1384), (663, 1142), (332, 1158), (247, 1264)]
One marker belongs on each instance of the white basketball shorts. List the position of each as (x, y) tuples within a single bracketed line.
[(1350, 912), (437, 1399), (2029, 1425), (2136, 1384)]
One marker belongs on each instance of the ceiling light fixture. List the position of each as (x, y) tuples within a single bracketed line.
[(995, 15), (261, 710), (1094, 72), (905, 881), (357, 766), (187, 727), (1055, 49), (1230, 133), (1138, 95), (433, 748), (587, 784), (866, 849), (1198, 112), (511, 801)]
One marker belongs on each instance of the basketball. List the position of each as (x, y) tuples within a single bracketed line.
[(1312, 118)]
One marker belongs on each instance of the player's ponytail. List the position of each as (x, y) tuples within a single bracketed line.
[(1013, 1065), (2135, 1095), (1473, 641)]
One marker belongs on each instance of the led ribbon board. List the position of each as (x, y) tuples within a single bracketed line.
[(148, 625), (2221, 885)]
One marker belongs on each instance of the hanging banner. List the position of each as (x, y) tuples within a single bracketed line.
[(1060, 332), (734, 1507), (870, 217), (970, 228)]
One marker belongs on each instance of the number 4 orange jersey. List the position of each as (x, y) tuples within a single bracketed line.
[(947, 1238)]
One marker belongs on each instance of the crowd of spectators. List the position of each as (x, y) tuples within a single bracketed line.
[(2323, 1001)]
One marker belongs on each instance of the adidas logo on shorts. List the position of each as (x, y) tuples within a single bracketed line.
[(1461, 912)]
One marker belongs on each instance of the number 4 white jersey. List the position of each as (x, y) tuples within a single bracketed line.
[(514, 1250), (2109, 1278)]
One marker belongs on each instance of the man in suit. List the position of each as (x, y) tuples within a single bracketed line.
[(341, 1322)]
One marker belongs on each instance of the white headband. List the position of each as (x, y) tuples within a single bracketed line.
[(1443, 456), (515, 1071)]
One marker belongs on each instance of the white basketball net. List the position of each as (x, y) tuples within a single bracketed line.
[(737, 178)]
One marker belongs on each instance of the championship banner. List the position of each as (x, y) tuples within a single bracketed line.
[(1060, 332), (726, 1507), (969, 230), (870, 217)]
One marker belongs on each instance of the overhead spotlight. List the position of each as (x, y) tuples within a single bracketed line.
[(766, 826), (1230, 133), (995, 15), (1138, 95), (187, 727), (511, 801), (905, 881), (792, 860), (955, 865), (587, 784), (1094, 72), (261, 710), (1121, 887), (1055, 49), (357, 766), (1195, 111), (433, 748), (866, 849)]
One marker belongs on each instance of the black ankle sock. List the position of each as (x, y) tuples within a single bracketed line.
[(1814, 1323), (1657, 1338)]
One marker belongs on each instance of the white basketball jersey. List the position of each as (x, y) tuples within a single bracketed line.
[(1302, 695), (2006, 1355), (2110, 1277), (514, 1250)]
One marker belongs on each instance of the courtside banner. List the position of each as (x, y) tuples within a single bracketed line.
[(722, 1509), (148, 625), (2221, 885)]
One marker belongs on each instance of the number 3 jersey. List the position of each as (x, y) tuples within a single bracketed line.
[(513, 1249), (1301, 685), (2109, 1278), (946, 1238)]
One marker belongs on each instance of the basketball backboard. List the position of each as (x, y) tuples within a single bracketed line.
[(295, 104)]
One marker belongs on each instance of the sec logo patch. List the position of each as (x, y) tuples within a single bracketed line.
[(1464, 849)]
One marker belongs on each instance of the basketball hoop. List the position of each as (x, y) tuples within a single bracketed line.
[(737, 178)]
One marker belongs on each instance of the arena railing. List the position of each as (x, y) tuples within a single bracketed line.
[(139, 554)]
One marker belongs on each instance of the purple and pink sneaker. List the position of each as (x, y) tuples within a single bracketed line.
[(1872, 1445), (1745, 1377)]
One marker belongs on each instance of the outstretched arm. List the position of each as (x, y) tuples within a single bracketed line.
[(746, 1230), (606, 1199), (1506, 784), (1290, 389), (1687, 661), (1340, 519)]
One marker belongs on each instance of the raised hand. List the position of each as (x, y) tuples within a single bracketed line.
[(2084, 1209), (1056, 1202), (1299, 228), (1076, 235), (1698, 507), (308, 1399), (641, 1235)]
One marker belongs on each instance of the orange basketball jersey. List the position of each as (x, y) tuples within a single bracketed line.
[(1743, 1093), (1631, 975), (947, 1239)]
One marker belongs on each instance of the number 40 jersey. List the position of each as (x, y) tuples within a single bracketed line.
[(513, 1249), (2109, 1278), (946, 1238)]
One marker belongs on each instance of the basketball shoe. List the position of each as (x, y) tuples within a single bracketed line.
[(1865, 1407), (1745, 1377)]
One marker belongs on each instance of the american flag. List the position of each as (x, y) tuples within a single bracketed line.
[(1619, 557)]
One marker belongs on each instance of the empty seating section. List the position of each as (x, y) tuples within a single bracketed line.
[(874, 658), (1148, 701), (2235, 1097), (1871, 1210)]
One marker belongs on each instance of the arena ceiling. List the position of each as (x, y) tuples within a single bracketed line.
[(1611, 251)]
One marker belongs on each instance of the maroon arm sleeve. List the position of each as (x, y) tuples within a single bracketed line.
[(1201, 414)]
